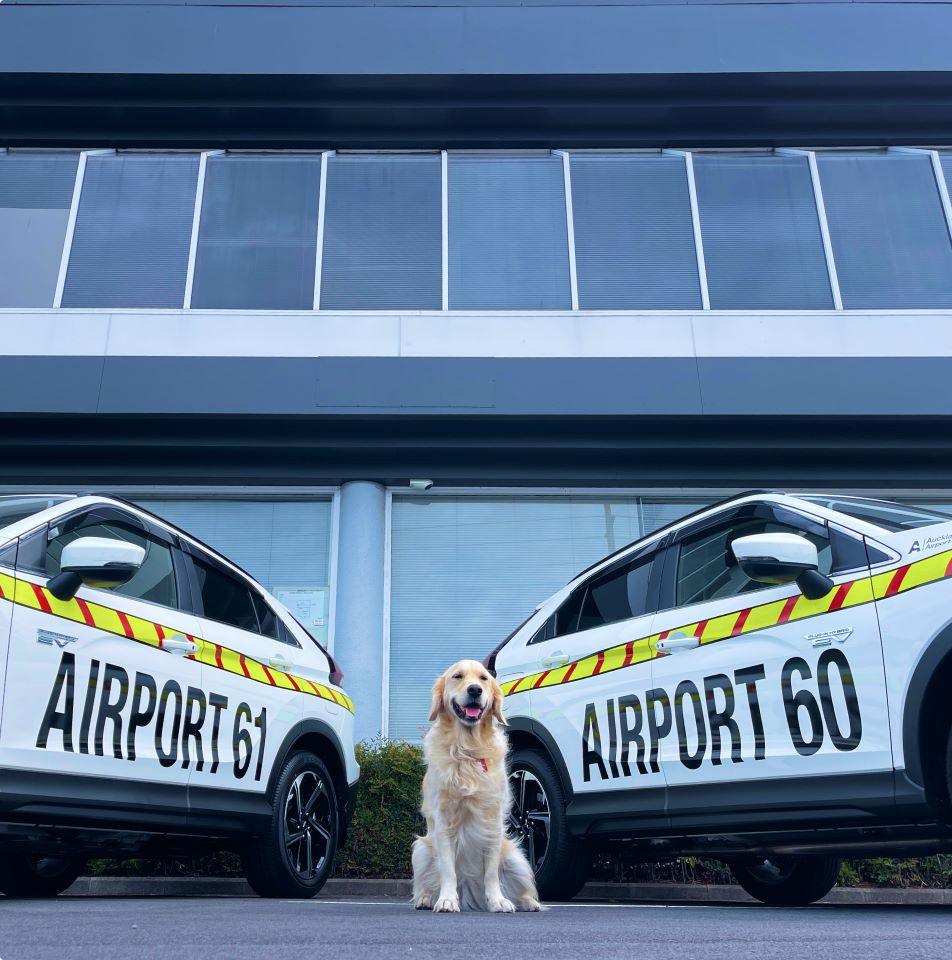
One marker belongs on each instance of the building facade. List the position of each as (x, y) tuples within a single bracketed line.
[(415, 310)]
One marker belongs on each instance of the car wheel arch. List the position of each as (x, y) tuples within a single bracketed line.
[(927, 718), (524, 732), (321, 739)]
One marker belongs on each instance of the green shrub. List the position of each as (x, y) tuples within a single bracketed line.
[(388, 811)]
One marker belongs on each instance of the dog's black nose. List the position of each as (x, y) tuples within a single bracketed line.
[(475, 691)]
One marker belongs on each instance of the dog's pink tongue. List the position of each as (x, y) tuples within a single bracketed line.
[(473, 712)]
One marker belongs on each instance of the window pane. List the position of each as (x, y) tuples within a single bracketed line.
[(634, 239), (485, 564), (258, 234), (130, 245), (762, 242), (284, 544), (383, 245), (621, 595), (889, 235), (508, 247), (225, 598), (35, 195)]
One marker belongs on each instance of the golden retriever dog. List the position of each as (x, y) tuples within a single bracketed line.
[(466, 860)]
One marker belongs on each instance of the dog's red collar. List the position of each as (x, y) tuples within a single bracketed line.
[(484, 763)]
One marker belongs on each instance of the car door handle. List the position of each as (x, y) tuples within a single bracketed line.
[(557, 659), (677, 643), (178, 644), (279, 663)]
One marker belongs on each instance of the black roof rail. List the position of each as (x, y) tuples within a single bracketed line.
[(687, 516)]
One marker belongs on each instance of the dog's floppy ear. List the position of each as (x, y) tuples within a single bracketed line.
[(497, 702), (439, 689)]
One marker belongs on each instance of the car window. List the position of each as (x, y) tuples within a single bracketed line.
[(267, 618), (707, 569), (154, 581), (618, 594), (223, 596)]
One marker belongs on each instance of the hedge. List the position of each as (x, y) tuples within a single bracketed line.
[(387, 819)]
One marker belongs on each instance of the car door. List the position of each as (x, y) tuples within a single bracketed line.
[(252, 695), (776, 698), (592, 674), (97, 685)]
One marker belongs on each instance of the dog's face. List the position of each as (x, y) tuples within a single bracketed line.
[(467, 694)]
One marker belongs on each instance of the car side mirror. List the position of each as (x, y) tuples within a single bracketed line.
[(782, 558), (97, 562)]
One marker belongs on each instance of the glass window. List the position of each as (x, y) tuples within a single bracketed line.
[(267, 619), (890, 239), (284, 544), (707, 569), (131, 240), (634, 238), (619, 595), (383, 247), (35, 195), (154, 581), (257, 238), (224, 597), (508, 242), (761, 232), (466, 570)]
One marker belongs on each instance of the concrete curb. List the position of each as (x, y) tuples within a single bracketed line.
[(400, 889)]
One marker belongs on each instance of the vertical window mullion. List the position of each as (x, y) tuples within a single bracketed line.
[(71, 222), (824, 223), (196, 223), (321, 206), (943, 188), (696, 222), (445, 227), (569, 223)]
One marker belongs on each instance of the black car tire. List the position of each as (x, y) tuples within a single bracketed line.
[(23, 874), (788, 881), (566, 861), (277, 863)]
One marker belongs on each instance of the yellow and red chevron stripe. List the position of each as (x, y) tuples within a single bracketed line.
[(850, 593), (123, 624)]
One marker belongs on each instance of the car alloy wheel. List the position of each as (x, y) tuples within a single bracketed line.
[(307, 824), (529, 816)]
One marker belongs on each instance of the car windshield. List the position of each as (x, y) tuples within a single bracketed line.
[(884, 513), (14, 509)]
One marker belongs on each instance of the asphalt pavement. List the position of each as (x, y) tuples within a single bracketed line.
[(236, 929)]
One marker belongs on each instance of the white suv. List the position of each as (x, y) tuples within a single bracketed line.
[(766, 682), (156, 700)]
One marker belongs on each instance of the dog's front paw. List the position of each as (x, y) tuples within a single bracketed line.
[(447, 904), (530, 905), (423, 902), (500, 904)]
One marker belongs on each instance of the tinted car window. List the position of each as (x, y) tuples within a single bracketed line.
[(619, 595), (224, 597), (707, 569), (154, 581), (890, 516), (267, 619)]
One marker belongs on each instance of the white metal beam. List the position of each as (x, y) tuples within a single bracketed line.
[(569, 222), (445, 228), (832, 275), (696, 222), (196, 220), (319, 252)]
